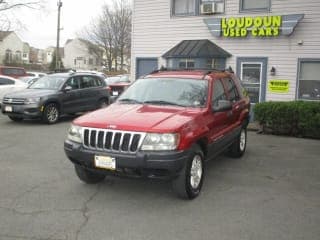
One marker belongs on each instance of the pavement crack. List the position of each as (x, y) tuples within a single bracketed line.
[(85, 210)]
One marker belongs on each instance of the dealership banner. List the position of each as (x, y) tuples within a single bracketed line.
[(257, 26)]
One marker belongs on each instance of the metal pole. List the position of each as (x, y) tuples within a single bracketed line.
[(58, 37)]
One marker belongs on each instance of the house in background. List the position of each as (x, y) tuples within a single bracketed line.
[(82, 54), (12, 49)]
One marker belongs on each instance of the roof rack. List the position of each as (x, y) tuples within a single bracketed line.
[(208, 70)]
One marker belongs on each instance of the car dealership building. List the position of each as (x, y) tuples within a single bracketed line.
[(272, 45)]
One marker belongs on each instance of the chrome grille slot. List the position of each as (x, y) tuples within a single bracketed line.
[(15, 101), (112, 140)]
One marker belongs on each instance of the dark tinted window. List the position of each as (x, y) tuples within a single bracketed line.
[(5, 81), (232, 89), (90, 81), (13, 71), (218, 93)]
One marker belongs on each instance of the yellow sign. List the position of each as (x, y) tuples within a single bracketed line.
[(267, 26), (278, 86)]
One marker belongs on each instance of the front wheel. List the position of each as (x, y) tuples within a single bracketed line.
[(238, 148), (88, 176), (51, 113), (188, 184)]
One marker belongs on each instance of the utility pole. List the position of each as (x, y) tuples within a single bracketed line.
[(58, 37)]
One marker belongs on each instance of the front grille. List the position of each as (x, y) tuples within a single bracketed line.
[(112, 140), (16, 101)]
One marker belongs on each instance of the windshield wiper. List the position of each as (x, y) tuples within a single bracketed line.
[(162, 102), (128, 100)]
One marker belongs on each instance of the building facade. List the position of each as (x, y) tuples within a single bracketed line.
[(272, 45), (81, 54), (12, 49)]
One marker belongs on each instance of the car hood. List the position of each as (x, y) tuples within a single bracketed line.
[(27, 93), (138, 117)]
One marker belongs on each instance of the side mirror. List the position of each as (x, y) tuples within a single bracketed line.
[(67, 89), (223, 105)]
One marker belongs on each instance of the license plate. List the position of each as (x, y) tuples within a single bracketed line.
[(115, 93), (105, 162), (8, 109)]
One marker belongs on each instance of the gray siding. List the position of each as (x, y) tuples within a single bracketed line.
[(155, 31)]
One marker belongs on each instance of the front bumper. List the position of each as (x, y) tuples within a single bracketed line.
[(164, 165), (22, 111)]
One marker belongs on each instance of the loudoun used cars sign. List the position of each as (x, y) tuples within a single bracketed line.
[(258, 26)]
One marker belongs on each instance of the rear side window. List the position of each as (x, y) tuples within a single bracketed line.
[(218, 93), (13, 71), (231, 89), (5, 81), (90, 81)]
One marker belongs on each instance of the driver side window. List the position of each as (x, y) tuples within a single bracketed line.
[(218, 93), (73, 83)]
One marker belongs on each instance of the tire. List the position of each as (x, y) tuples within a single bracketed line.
[(238, 147), (51, 113), (103, 103), (88, 176), (16, 119), (188, 184)]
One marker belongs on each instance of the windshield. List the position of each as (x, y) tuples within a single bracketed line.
[(166, 91), (48, 82), (111, 80), (117, 79)]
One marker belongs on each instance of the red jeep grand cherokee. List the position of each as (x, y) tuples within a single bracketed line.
[(165, 125)]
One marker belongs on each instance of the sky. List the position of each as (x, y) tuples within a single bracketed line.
[(40, 26)]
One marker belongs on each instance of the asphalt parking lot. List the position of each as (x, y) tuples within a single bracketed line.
[(273, 192)]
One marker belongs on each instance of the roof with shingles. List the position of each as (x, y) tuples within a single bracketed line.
[(196, 49)]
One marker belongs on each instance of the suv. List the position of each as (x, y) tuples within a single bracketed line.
[(163, 126), (14, 72), (54, 95)]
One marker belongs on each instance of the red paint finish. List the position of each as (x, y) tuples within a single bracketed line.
[(192, 124)]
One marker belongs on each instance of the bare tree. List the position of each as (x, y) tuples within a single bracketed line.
[(123, 13), (112, 31), (7, 6)]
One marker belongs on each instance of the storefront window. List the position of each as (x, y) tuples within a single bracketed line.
[(255, 5), (184, 7), (309, 80)]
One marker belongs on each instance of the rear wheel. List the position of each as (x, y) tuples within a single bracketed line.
[(188, 184), (238, 148), (51, 113), (16, 119), (88, 176)]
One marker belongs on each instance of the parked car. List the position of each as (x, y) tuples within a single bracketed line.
[(9, 84), (29, 79), (14, 72), (165, 125), (54, 95), (36, 74), (118, 84)]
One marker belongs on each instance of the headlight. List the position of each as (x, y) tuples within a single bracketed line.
[(75, 133), (32, 100), (158, 142)]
